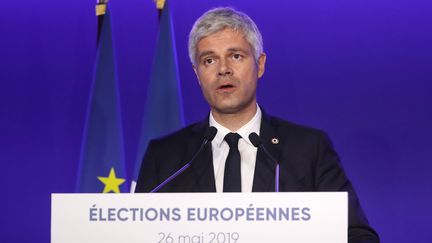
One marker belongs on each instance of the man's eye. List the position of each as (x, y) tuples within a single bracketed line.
[(237, 56), (209, 61)]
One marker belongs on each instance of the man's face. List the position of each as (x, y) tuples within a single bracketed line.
[(227, 72)]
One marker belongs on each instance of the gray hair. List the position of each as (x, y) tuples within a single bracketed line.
[(218, 19)]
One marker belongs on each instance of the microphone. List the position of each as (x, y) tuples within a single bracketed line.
[(256, 141), (209, 135)]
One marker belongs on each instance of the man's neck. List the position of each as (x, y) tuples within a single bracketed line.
[(235, 121)]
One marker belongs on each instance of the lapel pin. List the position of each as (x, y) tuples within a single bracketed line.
[(275, 141)]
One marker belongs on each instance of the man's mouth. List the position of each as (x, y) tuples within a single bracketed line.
[(226, 87)]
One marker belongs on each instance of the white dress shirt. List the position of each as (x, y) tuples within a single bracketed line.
[(248, 152)]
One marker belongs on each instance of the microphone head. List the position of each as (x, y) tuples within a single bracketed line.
[(209, 134), (255, 139)]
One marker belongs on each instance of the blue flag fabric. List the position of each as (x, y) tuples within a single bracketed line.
[(102, 157), (163, 109)]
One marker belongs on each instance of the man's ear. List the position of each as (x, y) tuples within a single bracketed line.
[(196, 73), (261, 64)]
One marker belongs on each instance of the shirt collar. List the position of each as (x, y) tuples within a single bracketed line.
[(251, 126)]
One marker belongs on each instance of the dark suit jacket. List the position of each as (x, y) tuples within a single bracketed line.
[(307, 160)]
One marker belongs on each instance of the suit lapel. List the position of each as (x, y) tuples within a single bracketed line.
[(202, 168), (202, 172), (264, 174)]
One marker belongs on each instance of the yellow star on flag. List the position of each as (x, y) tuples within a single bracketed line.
[(111, 182)]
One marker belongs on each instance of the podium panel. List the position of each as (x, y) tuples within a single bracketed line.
[(307, 217)]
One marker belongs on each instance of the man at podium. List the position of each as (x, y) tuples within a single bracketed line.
[(239, 147)]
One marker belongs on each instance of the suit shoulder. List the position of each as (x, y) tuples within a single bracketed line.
[(293, 129), (179, 136)]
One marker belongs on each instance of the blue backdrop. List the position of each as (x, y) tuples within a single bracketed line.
[(359, 69)]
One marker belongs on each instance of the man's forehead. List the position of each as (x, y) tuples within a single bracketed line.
[(223, 34), (226, 40)]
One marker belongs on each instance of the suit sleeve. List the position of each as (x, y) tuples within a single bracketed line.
[(330, 176)]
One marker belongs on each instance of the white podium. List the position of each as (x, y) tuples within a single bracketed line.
[(313, 217)]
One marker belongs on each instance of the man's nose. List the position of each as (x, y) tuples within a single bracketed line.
[(224, 69)]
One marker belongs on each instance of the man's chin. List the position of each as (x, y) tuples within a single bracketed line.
[(230, 109), (226, 109)]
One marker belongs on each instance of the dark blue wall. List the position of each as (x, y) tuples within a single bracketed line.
[(361, 70)]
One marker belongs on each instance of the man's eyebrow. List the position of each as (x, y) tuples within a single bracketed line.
[(237, 49), (231, 49), (206, 53)]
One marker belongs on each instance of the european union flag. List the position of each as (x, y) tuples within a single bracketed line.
[(102, 157), (163, 109)]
